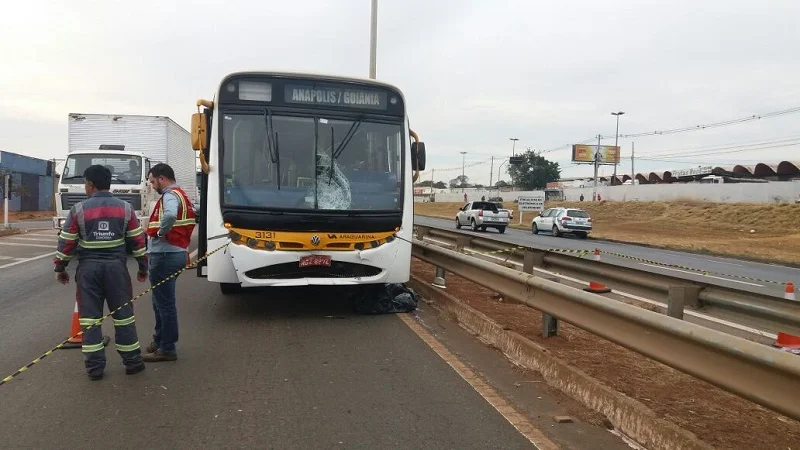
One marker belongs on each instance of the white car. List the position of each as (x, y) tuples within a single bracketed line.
[(563, 220), (482, 215)]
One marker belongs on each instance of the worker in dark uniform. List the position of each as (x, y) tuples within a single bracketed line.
[(96, 231)]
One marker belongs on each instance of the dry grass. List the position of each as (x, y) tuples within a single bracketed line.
[(719, 228)]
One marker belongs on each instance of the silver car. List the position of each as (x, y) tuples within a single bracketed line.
[(563, 220)]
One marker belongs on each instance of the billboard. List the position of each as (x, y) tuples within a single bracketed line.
[(606, 154), (693, 171)]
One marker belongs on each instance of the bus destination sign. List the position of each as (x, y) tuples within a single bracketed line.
[(348, 97)]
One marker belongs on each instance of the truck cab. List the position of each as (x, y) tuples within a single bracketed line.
[(128, 180)]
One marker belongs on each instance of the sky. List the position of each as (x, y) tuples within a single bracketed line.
[(474, 73)]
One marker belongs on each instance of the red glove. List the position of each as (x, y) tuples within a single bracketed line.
[(62, 277), (141, 277)]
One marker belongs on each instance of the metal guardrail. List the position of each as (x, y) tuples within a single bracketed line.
[(765, 375), (756, 305)]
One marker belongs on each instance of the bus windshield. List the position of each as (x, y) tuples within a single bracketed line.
[(282, 162)]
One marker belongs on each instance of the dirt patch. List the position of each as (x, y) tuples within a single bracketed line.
[(714, 228), (30, 215), (715, 416)]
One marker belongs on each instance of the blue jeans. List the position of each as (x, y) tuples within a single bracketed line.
[(162, 265)]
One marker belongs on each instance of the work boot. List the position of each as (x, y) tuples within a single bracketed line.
[(134, 369), (152, 348), (159, 356), (95, 376)]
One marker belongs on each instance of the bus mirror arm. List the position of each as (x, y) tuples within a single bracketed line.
[(200, 132), (417, 155)]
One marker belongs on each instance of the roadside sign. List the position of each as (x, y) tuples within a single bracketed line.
[(533, 202)]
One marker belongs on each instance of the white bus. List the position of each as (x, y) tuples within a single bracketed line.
[(310, 179)]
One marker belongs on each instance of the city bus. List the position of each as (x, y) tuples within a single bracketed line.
[(308, 178)]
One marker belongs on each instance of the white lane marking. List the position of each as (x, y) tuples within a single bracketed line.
[(521, 423), (702, 275), (22, 244), (660, 304), (11, 258), (42, 239), (27, 259)]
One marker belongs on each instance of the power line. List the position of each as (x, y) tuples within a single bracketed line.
[(687, 129), (687, 151)]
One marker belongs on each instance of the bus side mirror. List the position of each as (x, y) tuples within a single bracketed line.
[(199, 132), (418, 156)]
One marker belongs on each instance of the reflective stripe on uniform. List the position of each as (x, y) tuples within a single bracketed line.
[(184, 222), (123, 322), (62, 256), (88, 322), (128, 348), (92, 348), (68, 236), (101, 244), (135, 232), (140, 252)]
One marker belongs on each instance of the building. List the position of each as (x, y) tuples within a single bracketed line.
[(32, 182)]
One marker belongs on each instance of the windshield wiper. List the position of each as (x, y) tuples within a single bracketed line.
[(73, 177), (272, 148), (330, 169), (347, 137)]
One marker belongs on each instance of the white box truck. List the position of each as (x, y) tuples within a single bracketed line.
[(128, 145)]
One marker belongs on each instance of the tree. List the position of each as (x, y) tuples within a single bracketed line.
[(440, 185), (461, 181), (501, 184), (478, 186), (534, 172), (426, 183)]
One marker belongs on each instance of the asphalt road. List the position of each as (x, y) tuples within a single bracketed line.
[(726, 269), (266, 369)]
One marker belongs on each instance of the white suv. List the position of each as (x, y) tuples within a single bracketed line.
[(563, 220)]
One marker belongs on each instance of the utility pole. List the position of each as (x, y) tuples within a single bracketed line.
[(596, 156), (616, 141), (462, 171), (499, 169), (491, 172), (373, 40), (633, 172)]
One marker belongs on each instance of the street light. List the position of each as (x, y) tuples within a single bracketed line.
[(616, 144), (373, 39), (462, 171), (498, 170), (513, 145)]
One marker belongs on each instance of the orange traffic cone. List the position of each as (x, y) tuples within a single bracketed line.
[(74, 341), (789, 291), (597, 288), (597, 254), (788, 342)]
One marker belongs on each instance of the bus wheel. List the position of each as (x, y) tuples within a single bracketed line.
[(230, 288)]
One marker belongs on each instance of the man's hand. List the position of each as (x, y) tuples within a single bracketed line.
[(62, 277), (141, 277)]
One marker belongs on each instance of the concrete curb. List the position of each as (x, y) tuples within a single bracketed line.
[(628, 415)]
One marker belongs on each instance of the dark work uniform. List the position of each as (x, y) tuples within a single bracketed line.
[(96, 231)]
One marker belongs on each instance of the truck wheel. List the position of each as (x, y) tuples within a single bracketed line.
[(474, 225), (501, 229), (230, 288)]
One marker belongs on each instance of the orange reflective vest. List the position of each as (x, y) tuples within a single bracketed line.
[(181, 232)]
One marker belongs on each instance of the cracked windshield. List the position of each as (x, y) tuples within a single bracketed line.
[(311, 163)]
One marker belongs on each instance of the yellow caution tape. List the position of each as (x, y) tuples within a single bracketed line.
[(100, 321)]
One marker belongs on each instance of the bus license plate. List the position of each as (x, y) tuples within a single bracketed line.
[(315, 260)]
